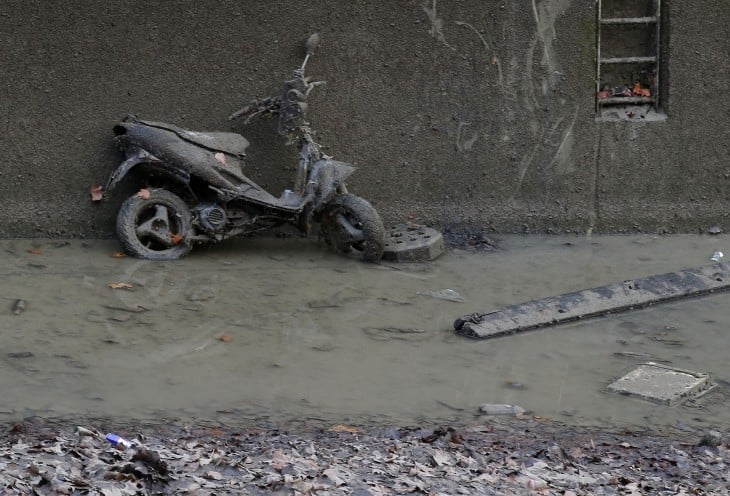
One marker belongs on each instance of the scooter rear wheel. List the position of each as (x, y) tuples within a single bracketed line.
[(155, 226), (352, 226)]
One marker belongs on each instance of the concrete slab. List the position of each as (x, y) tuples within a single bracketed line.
[(412, 243), (604, 300), (662, 384)]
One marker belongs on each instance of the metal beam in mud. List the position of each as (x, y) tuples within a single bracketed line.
[(614, 298)]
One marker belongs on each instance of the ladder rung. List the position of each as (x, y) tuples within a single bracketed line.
[(627, 60), (629, 20), (625, 99)]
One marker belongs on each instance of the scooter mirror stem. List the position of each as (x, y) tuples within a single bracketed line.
[(304, 63)]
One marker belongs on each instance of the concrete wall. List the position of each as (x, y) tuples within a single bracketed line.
[(459, 113)]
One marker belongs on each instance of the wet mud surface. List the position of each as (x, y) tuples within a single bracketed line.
[(272, 364), (282, 329)]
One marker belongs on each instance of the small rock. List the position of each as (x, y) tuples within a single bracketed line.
[(20, 354), (202, 294), (18, 307), (711, 438)]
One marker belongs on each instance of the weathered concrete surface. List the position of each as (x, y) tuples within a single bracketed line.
[(459, 112), (661, 384), (412, 243), (603, 300)]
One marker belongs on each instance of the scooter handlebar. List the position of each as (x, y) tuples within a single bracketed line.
[(239, 113), (256, 108)]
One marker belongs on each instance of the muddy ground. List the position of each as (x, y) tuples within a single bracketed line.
[(392, 415), (503, 456)]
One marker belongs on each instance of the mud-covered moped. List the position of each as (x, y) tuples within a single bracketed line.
[(199, 194)]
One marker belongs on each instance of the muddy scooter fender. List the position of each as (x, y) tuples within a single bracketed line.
[(136, 157), (327, 177)]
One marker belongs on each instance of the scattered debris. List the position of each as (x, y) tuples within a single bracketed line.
[(637, 90), (443, 294), (202, 294), (20, 354), (505, 456), (621, 90), (394, 333), (18, 307), (412, 243), (83, 431), (96, 192), (344, 428), (714, 230), (514, 385), (712, 439), (118, 254), (614, 298), (34, 251), (497, 409), (224, 338), (143, 194), (662, 384), (120, 285), (134, 309), (716, 256), (118, 441)]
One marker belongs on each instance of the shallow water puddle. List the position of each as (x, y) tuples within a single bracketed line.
[(281, 328)]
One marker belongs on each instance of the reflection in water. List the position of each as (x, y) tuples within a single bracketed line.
[(282, 329)]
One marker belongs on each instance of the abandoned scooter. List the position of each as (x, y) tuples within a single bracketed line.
[(198, 193)]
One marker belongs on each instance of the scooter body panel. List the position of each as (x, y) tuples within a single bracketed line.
[(326, 177)]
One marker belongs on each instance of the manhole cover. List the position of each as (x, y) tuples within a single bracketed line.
[(412, 243), (661, 384)]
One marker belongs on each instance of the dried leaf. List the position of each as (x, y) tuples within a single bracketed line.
[(220, 158), (118, 254), (344, 428), (213, 475), (440, 458), (34, 251), (143, 194), (96, 191), (176, 239), (119, 285), (225, 338), (333, 475)]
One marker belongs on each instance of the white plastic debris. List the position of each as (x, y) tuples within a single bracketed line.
[(497, 409), (716, 256), (443, 294)]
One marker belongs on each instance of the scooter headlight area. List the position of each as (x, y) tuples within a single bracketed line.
[(201, 195)]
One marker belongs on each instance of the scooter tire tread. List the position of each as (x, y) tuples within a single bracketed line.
[(127, 218), (372, 225)]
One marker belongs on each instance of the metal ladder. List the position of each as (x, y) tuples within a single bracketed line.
[(651, 22)]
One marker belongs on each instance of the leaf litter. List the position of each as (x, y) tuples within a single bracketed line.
[(521, 457)]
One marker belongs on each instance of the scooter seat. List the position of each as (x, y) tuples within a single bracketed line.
[(231, 143)]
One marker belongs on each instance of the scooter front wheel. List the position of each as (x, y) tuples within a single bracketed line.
[(352, 226), (155, 226)]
